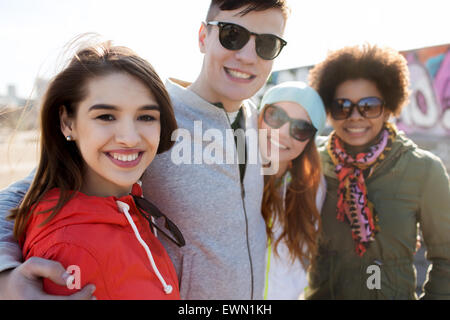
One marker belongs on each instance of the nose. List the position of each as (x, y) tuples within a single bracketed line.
[(127, 134), (284, 129), (282, 133), (356, 115), (247, 54)]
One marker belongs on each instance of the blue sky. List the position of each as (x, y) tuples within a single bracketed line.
[(34, 32)]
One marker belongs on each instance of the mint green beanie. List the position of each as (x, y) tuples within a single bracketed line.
[(301, 93)]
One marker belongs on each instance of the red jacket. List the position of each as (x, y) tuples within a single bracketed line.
[(94, 234)]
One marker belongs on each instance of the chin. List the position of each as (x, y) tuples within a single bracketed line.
[(124, 183), (283, 158), (357, 142), (242, 92)]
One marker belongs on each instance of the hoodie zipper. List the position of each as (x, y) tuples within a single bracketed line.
[(245, 214), (248, 242)]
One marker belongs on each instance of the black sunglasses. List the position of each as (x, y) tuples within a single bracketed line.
[(276, 117), (235, 37), (148, 210), (368, 107)]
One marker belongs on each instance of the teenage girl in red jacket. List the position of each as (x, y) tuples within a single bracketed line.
[(103, 120)]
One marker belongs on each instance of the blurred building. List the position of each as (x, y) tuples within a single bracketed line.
[(11, 100), (19, 112)]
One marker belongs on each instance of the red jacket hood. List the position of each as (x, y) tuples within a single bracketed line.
[(81, 209)]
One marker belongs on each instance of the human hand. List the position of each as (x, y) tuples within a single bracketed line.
[(25, 281)]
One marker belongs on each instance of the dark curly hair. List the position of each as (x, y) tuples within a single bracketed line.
[(385, 67)]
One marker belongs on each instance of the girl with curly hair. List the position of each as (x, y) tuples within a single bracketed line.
[(381, 187)]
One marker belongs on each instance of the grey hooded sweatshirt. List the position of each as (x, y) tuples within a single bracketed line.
[(197, 186)]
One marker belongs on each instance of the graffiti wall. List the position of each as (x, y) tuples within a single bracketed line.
[(426, 118), (429, 108)]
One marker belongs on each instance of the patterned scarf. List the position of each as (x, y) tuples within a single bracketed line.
[(353, 205)]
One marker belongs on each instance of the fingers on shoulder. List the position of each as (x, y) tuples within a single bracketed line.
[(36, 267)]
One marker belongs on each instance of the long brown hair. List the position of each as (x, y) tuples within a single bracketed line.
[(300, 220), (60, 163)]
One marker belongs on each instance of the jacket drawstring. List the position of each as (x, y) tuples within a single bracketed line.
[(125, 209)]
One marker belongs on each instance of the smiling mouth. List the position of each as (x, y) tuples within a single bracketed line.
[(356, 130), (125, 157), (239, 74), (279, 145), (129, 160)]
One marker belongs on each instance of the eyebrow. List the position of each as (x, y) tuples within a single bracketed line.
[(114, 108)]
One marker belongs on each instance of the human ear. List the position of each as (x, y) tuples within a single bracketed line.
[(202, 33), (66, 123)]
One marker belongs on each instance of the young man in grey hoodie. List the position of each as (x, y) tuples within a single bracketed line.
[(215, 202)]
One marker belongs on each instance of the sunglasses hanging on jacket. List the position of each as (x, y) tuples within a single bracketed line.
[(149, 210)]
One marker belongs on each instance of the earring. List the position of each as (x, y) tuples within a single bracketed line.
[(69, 138)]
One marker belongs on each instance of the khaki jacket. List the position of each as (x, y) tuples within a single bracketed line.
[(410, 191)]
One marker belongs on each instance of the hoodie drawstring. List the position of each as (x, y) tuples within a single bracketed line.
[(125, 209)]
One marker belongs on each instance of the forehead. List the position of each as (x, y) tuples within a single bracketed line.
[(267, 21), (117, 88), (355, 89)]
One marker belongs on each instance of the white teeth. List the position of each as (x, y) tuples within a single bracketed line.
[(238, 74), (278, 144), (356, 130), (125, 157)]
